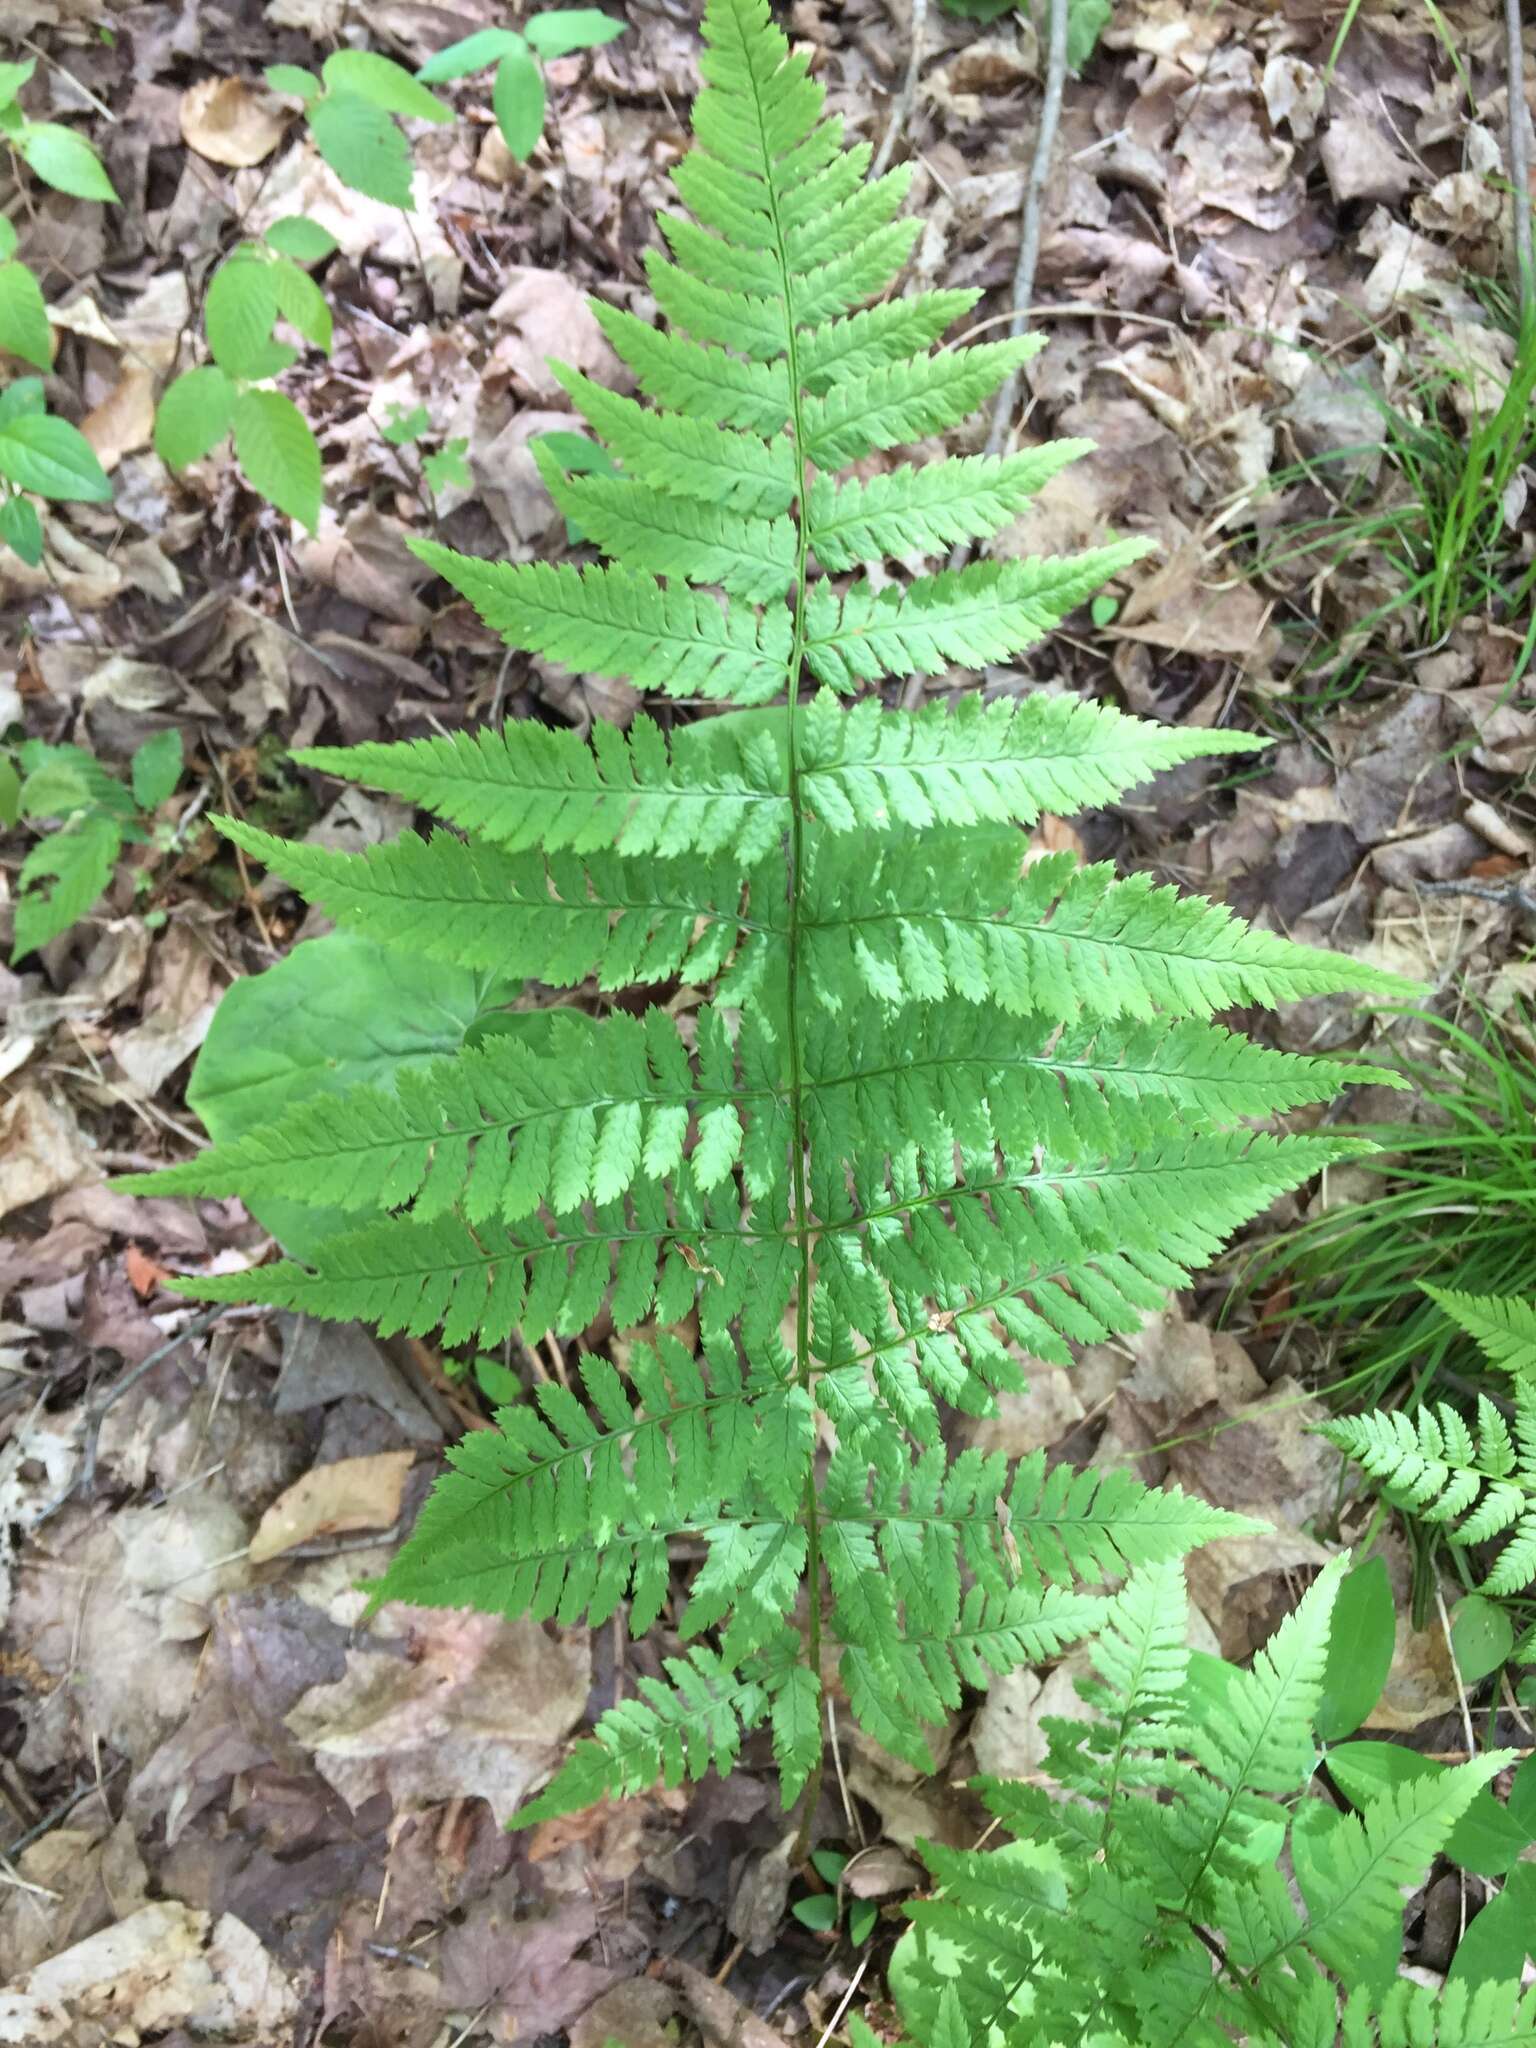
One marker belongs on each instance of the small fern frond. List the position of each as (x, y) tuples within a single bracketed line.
[(1461, 2016), (670, 1732), (918, 509), (1502, 1326), (1476, 1488)]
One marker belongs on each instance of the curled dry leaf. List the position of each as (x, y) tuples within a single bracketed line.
[(333, 1500), (230, 121)]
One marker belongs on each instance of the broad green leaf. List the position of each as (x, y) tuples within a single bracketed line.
[(1360, 1642), (302, 239), (61, 878), (65, 160), (1495, 1946), (333, 1014), (21, 529), (818, 1912), (384, 83), (278, 454), (1482, 1635), (156, 768), (559, 30), (10, 792), (41, 453), (195, 413), (24, 328), (238, 314), (471, 53), (13, 77), (294, 81), (8, 238), (518, 98), (363, 147)]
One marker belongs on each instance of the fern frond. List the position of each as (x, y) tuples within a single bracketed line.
[(668, 1733), (1477, 1488), (917, 510), (665, 534), (555, 920), (1502, 1325), (1460, 2016), (905, 401), (617, 622), (702, 381), (1065, 942), (1003, 762), (498, 1131), (524, 785)]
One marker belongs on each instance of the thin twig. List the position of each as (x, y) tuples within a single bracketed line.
[(1029, 256), (844, 2002), (1513, 895), (901, 110), (95, 1415), (1520, 159), (1034, 194)]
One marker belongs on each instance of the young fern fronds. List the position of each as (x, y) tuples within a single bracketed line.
[(1151, 1908), (1477, 1486), (902, 1107), (1502, 1326)]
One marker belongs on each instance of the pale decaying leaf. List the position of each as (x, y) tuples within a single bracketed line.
[(232, 122), (334, 1500), (42, 1149), (125, 419), (463, 1705), (166, 1966)]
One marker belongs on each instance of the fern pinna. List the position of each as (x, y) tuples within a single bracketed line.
[(944, 1105), (1187, 1894)]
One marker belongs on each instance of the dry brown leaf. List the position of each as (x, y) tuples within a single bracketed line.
[(334, 1500), (230, 121), (42, 1150), (125, 418)]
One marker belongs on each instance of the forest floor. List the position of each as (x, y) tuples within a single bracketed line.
[(1241, 257)]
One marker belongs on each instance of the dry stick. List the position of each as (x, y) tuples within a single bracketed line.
[(901, 112), (1520, 160)]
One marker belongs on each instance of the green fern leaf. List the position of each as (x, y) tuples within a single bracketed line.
[(1503, 1326)]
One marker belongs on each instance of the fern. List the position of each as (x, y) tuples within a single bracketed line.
[(1474, 1484), (923, 1107), (1148, 1909)]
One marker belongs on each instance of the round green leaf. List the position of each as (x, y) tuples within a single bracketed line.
[(21, 529), (64, 160), (472, 53), (1482, 1636), (828, 1864), (1360, 1644), (278, 454), (194, 415), (363, 147), (294, 81), (563, 29), (1103, 609), (24, 329), (518, 98), (819, 1912), (336, 1013), (156, 768), (47, 455), (384, 83), (304, 240)]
